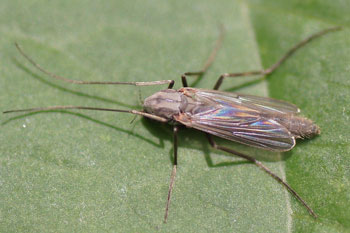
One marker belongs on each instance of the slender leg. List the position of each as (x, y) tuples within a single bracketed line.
[(171, 84), (52, 75), (259, 164), (208, 62), (279, 62), (173, 174), (135, 112)]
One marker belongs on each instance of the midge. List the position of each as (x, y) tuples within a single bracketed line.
[(260, 122)]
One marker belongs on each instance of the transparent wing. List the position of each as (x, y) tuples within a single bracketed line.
[(232, 118), (262, 104)]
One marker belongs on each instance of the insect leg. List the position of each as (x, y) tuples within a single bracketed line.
[(208, 62), (272, 68), (263, 167), (173, 174), (135, 112), (55, 76)]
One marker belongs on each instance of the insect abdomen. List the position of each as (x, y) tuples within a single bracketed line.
[(300, 127)]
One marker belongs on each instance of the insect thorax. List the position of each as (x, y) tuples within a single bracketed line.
[(165, 103)]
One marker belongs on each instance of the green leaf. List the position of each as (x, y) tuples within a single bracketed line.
[(79, 171)]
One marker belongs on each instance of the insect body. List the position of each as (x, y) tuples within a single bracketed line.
[(255, 121)]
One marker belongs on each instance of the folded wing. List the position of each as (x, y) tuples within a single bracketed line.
[(239, 118)]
